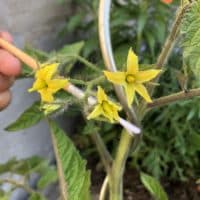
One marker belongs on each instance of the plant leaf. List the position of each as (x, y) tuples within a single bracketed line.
[(24, 166), (195, 141), (190, 31), (50, 176), (153, 186), (73, 177), (36, 196), (67, 55), (30, 117)]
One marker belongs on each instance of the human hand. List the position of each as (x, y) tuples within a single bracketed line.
[(10, 67)]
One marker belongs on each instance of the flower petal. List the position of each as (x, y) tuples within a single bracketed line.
[(109, 115), (95, 113), (130, 93), (117, 107), (132, 62), (147, 75), (46, 95), (46, 71), (110, 111), (101, 95), (56, 84), (143, 92), (38, 85), (115, 77)]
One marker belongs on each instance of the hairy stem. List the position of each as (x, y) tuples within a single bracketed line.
[(166, 50), (18, 185), (103, 152), (169, 43), (116, 178), (174, 97)]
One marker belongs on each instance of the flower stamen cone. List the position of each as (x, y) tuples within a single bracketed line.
[(133, 80)]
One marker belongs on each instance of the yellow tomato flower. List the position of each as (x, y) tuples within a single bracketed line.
[(132, 80), (47, 83), (105, 107)]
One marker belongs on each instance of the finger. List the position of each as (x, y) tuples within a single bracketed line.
[(9, 65), (5, 82), (6, 36), (5, 98)]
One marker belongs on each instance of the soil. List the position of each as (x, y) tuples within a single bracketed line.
[(134, 190)]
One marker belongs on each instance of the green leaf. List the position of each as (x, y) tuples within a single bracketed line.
[(68, 53), (73, 177), (153, 186), (36, 196), (37, 54), (30, 117), (190, 31), (72, 49), (50, 176), (5, 197), (195, 141), (23, 166)]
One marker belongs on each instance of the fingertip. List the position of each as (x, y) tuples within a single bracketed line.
[(9, 65), (5, 99), (5, 35)]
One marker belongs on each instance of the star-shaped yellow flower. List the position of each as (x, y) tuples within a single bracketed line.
[(47, 82), (132, 80), (105, 107)]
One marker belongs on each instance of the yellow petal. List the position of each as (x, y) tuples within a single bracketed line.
[(101, 95), (57, 84), (95, 113), (109, 116), (115, 77), (115, 115), (46, 95), (143, 92), (132, 62), (38, 85), (130, 93), (47, 71), (117, 107), (144, 76)]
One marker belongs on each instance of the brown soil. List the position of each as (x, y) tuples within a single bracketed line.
[(134, 190)]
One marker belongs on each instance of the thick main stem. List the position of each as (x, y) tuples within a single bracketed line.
[(166, 50), (116, 177)]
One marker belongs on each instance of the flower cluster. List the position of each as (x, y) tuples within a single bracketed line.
[(48, 82)]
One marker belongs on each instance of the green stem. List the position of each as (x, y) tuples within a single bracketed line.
[(169, 43), (77, 82), (174, 97), (166, 51), (79, 58), (96, 81), (19, 185), (103, 152), (88, 64), (116, 177)]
